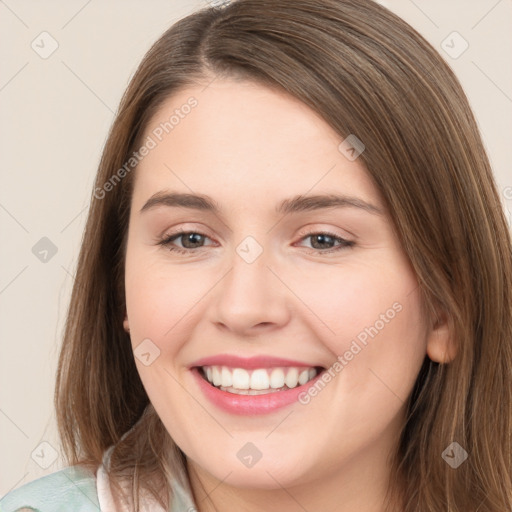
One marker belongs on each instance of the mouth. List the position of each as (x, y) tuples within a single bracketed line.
[(255, 385), (257, 381)]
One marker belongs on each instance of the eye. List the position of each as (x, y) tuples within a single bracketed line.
[(190, 239), (193, 240), (320, 239)]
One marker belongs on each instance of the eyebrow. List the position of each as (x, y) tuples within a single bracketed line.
[(300, 203)]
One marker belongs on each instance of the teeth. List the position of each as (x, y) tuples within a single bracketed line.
[(227, 378), (304, 377), (277, 378), (292, 378), (252, 382), (241, 378), (259, 379), (217, 378)]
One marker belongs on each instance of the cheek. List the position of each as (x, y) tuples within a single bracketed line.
[(159, 303), (371, 321), (359, 301), (159, 299)]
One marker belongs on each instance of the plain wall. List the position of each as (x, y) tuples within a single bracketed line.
[(55, 116)]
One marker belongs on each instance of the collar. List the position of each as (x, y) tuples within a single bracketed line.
[(182, 498)]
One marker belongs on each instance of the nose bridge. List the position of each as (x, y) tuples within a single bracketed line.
[(249, 280), (250, 294)]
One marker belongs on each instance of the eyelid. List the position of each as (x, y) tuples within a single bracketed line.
[(336, 232), (186, 228)]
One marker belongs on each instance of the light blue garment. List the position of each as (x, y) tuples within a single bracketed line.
[(73, 489)]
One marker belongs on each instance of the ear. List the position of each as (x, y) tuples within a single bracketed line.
[(441, 346), (126, 325)]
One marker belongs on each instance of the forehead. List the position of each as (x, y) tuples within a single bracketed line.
[(243, 141)]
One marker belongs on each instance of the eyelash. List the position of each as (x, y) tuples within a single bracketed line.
[(168, 239)]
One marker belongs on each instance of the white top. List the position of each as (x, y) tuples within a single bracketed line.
[(182, 496)]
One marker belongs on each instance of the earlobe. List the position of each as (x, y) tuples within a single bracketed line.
[(441, 346), (126, 325)]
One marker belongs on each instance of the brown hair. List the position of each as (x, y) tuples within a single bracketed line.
[(366, 72)]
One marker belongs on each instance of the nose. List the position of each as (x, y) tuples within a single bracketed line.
[(251, 298)]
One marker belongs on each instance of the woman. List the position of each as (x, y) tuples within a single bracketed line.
[(262, 369)]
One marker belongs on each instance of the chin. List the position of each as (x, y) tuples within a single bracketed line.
[(269, 474)]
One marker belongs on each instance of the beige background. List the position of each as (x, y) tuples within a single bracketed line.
[(55, 113)]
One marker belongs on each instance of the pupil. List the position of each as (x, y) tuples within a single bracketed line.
[(190, 238), (323, 238)]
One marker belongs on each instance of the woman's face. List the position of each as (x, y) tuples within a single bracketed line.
[(266, 289)]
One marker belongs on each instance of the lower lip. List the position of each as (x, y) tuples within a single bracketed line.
[(248, 405)]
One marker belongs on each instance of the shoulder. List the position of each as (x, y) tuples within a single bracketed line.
[(71, 488)]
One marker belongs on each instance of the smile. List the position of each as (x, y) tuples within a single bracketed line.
[(255, 385), (257, 381)]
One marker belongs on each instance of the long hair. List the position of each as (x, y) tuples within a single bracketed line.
[(367, 72)]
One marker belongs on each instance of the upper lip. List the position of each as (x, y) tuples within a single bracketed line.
[(261, 361)]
